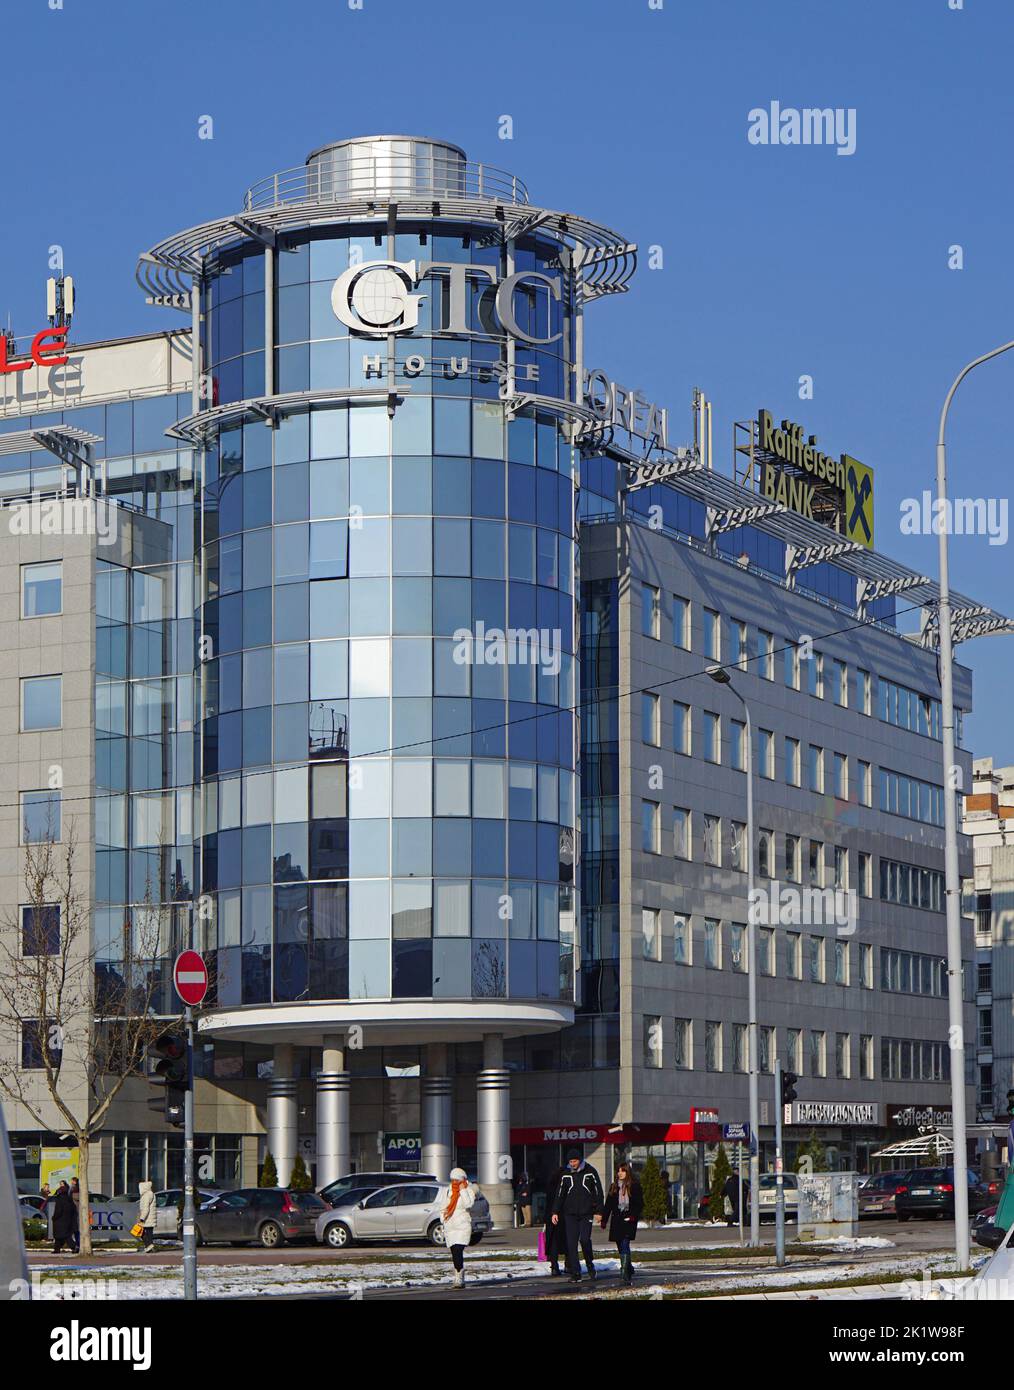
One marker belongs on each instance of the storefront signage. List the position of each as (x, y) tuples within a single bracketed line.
[(833, 1112), (49, 349), (627, 409), (793, 469), (917, 1117), (402, 1148), (376, 298)]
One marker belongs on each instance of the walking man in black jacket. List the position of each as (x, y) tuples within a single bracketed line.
[(578, 1201)]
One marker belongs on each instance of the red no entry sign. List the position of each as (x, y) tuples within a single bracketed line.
[(190, 976)]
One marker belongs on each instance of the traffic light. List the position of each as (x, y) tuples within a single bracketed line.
[(169, 1054), (789, 1079)]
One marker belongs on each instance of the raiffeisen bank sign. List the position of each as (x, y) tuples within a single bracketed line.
[(377, 298), (803, 478)]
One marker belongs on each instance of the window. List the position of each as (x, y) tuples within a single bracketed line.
[(840, 683), (790, 658), (40, 816), (41, 702), (865, 884), (650, 829), (766, 654), (741, 647), (681, 622), (765, 852), (818, 1053), (841, 777), (38, 1037), (712, 737), (651, 932), (712, 943), (737, 946), (816, 864), (651, 618), (816, 960), (911, 886), (40, 930), (766, 752), (681, 940), (793, 955), (683, 1054), (816, 768), (864, 789), (866, 1056), (984, 979), (713, 840), (766, 1047), (791, 860), (792, 761), (41, 589), (815, 675), (864, 692), (652, 1041), (794, 1049), (712, 635), (843, 1056), (737, 846), (912, 972), (841, 868), (841, 962), (650, 733), (766, 950), (907, 709), (737, 745), (910, 797), (712, 1046), (866, 966), (681, 833), (739, 1047), (681, 728)]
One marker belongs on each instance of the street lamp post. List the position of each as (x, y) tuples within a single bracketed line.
[(722, 677), (952, 882)]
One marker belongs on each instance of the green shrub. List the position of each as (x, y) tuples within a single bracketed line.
[(269, 1173)]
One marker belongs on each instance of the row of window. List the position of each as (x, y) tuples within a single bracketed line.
[(726, 1048)]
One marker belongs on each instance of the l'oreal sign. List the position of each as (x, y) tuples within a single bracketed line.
[(627, 409), (375, 298)]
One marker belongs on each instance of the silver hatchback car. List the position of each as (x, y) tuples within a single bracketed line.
[(408, 1211)]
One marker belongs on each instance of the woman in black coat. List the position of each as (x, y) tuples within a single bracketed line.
[(555, 1240), (63, 1218), (623, 1207)]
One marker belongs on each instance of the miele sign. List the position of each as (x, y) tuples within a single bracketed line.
[(376, 298), (49, 349)]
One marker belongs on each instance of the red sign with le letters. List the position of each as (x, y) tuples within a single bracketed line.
[(49, 349)]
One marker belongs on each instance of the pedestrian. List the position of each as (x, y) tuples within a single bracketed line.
[(578, 1201), (623, 1207), (730, 1199), (667, 1187), (524, 1201), (44, 1191), (146, 1214), (63, 1219), (554, 1233), (75, 1235), (456, 1204)]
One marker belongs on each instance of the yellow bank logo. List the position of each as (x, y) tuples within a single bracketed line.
[(858, 501)]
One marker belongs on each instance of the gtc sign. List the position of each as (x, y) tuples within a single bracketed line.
[(376, 298), (49, 349)]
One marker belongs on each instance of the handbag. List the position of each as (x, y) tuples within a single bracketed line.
[(137, 1230), (542, 1245)]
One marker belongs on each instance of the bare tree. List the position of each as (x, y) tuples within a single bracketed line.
[(84, 1024)]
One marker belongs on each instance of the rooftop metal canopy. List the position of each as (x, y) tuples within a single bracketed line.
[(69, 443), (729, 504)]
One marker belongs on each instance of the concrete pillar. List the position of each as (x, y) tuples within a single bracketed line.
[(283, 1114), (437, 1114), (334, 1088), (493, 1111)]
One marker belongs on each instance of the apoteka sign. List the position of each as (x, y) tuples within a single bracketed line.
[(376, 298)]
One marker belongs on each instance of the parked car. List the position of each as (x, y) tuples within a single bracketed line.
[(408, 1211), (269, 1215), (34, 1204), (876, 1196), (768, 1195), (930, 1192), (334, 1193), (167, 1206)]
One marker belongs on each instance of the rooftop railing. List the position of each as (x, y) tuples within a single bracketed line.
[(421, 174)]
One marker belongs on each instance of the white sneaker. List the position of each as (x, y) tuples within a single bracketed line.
[(459, 1278)]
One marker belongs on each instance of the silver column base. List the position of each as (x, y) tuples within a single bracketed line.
[(334, 1094)]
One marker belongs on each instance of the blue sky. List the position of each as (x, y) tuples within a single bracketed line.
[(778, 261)]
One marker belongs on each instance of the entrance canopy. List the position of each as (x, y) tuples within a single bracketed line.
[(925, 1146)]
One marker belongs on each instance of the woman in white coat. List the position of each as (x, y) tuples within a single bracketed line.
[(456, 1214), (146, 1213)]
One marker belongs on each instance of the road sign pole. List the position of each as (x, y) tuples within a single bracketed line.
[(779, 1187), (739, 1166), (189, 1229)]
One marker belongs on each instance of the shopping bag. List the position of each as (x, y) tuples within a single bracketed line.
[(542, 1245), (137, 1230)]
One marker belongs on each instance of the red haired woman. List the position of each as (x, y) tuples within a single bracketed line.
[(457, 1221)]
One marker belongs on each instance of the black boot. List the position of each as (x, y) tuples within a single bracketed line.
[(628, 1271)]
